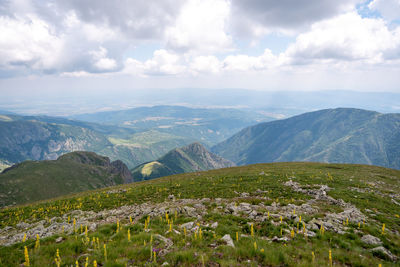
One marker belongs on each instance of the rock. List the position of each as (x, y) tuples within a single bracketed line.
[(244, 194), (228, 240), (165, 264), (176, 232), (282, 239), (23, 225), (310, 234), (199, 206), (352, 214), (6, 229), (253, 213), (168, 244), (188, 225), (59, 239), (384, 252), (190, 211), (171, 197), (214, 225), (371, 240), (92, 227)]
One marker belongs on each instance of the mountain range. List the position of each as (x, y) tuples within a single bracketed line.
[(73, 172), (133, 136), (207, 125), (341, 135), (191, 158)]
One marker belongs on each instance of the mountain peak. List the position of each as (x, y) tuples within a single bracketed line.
[(190, 158)]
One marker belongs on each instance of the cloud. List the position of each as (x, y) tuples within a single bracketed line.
[(205, 64), (201, 26), (346, 38), (162, 63), (389, 9), (253, 18), (101, 61), (250, 63), (28, 44), (193, 38), (31, 44), (136, 19)]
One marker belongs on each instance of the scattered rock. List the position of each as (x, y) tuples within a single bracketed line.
[(228, 240), (384, 252), (23, 225), (188, 225), (59, 239), (281, 239), (214, 225), (168, 244), (371, 240)]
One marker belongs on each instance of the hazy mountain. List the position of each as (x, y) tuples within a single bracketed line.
[(331, 135), (23, 138), (41, 137), (73, 172), (193, 157), (277, 102), (205, 125)]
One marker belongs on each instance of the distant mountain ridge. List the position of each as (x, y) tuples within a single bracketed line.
[(43, 138), (71, 173), (341, 135), (134, 136), (207, 125), (191, 158)]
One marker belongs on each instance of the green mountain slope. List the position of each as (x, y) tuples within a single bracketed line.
[(206, 125), (73, 172), (332, 135), (191, 158), (277, 214), (42, 137)]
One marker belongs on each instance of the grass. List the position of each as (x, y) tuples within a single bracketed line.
[(347, 249), (148, 168)]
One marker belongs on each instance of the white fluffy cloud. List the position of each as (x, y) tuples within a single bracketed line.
[(201, 26), (248, 63), (162, 63), (347, 38), (27, 43), (101, 61)]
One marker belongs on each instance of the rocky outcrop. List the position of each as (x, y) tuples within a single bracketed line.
[(371, 240), (118, 167)]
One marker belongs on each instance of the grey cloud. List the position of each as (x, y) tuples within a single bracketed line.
[(132, 21), (283, 14), (137, 19)]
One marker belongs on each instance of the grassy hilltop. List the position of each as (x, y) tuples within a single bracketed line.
[(280, 214)]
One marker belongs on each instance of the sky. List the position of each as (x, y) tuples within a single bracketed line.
[(97, 47)]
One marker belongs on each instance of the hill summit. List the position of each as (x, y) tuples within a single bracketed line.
[(191, 158), (71, 173)]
